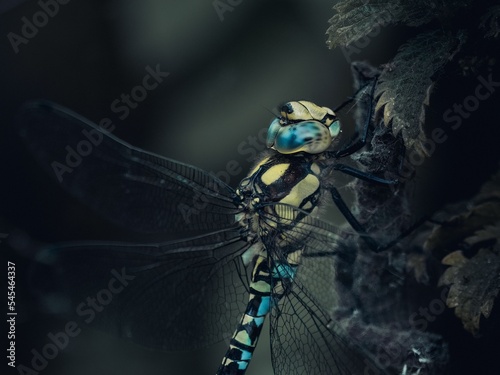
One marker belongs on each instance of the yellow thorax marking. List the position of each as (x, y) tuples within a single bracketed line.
[(274, 173), (258, 165), (302, 190)]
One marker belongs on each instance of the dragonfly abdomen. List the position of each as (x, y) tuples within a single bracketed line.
[(270, 282), (245, 338)]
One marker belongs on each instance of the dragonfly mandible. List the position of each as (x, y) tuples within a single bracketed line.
[(243, 254)]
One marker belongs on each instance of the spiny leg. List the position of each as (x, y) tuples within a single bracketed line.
[(365, 176), (337, 199), (358, 227)]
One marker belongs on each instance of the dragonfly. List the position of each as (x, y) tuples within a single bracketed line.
[(239, 255)]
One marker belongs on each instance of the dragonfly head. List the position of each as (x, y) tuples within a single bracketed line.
[(303, 127)]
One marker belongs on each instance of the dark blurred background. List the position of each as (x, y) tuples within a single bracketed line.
[(224, 76), (225, 72)]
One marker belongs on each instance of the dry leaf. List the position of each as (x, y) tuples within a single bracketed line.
[(474, 284), (461, 222)]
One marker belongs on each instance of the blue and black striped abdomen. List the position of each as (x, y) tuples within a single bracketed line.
[(269, 283), (246, 335)]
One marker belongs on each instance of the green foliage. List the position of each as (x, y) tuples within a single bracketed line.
[(407, 82), (355, 19), (445, 74)]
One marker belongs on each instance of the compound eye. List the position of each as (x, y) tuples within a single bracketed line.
[(272, 132), (311, 137)]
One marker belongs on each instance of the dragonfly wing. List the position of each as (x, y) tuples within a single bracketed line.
[(325, 251), (175, 296), (304, 338), (131, 187)]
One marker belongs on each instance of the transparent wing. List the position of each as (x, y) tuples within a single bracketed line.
[(176, 296), (131, 187), (304, 339)]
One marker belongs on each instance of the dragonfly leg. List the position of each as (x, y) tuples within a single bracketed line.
[(365, 176), (339, 201)]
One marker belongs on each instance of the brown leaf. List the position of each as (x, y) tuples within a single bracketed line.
[(474, 283), (458, 228), (462, 223), (474, 280)]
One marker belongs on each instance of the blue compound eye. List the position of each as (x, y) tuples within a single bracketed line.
[(303, 127), (312, 137), (272, 132)]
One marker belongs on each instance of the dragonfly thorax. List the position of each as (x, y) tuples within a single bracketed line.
[(273, 185)]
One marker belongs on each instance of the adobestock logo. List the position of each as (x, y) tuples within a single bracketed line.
[(60, 340), (459, 111), (223, 6), (76, 153), (252, 146), (31, 27), (453, 118)]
